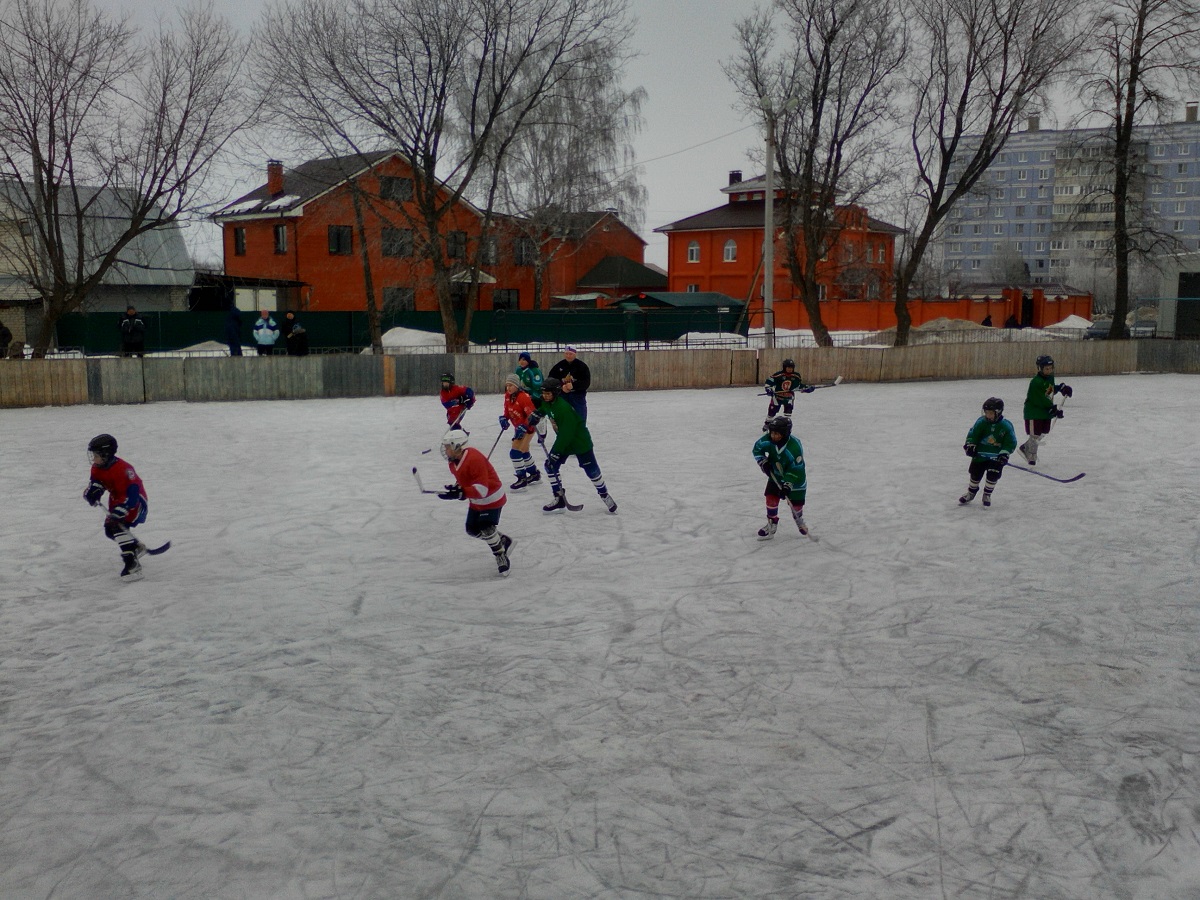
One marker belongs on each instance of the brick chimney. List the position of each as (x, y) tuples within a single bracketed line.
[(274, 177), (735, 177)]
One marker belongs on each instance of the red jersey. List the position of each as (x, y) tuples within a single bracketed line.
[(124, 486), (454, 399), (517, 407), (479, 481)]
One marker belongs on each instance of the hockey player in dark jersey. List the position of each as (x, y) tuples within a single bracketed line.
[(989, 443), (782, 387), (127, 506), (781, 457), (571, 439)]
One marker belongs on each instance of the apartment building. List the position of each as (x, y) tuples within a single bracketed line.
[(1044, 211)]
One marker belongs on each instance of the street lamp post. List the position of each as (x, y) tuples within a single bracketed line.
[(768, 252)]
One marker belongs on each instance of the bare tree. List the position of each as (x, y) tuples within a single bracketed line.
[(979, 67), (825, 97), (573, 158), (449, 83), (1140, 54), (94, 115)]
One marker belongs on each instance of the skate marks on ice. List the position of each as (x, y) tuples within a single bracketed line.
[(324, 699)]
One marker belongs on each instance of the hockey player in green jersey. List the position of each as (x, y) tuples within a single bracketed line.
[(1040, 409), (989, 442), (782, 387), (781, 457), (572, 438), (531, 383)]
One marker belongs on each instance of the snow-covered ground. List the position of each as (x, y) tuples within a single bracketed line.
[(324, 690)]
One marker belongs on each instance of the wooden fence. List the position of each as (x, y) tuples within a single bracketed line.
[(25, 383)]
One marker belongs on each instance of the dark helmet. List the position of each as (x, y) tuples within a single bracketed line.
[(780, 424), (447, 378), (102, 448), (1043, 361), (994, 403), (789, 364), (553, 386)]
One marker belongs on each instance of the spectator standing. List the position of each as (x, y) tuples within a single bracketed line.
[(266, 333), (133, 334), (296, 336), (233, 330), (576, 378), (5, 340), (987, 321)]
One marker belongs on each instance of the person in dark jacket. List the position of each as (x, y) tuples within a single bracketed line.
[(5, 340), (576, 378), (133, 334), (233, 330), (297, 337)]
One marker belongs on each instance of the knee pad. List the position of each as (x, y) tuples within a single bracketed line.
[(113, 529)]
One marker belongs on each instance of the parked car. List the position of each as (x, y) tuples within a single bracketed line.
[(1099, 329)]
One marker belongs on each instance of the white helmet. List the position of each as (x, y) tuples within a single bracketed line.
[(456, 438)]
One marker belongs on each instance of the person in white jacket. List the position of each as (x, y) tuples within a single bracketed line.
[(266, 333)]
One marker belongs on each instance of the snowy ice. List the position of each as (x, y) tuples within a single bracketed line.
[(324, 690)]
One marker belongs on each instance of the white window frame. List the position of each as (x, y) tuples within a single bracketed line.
[(729, 254), (693, 252)]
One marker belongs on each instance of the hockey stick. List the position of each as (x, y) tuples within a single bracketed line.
[(417, 475), (815, 387), (462, 412), (1012, 465), (495, 442)]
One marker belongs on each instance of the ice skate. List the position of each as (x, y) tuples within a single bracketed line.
[(535, 475), (502, 563), (522, 482), (801, 525), (133, 568), (559, 504), (1030, 453), (609, 502), (767, 531), (987, 498), (969, 495), (140, 549)]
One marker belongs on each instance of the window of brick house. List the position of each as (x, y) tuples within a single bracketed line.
[(341, 240), (239, 242), (506, 298), (397, 242), (693, 253), (731, 250), (456, 245), (399, 190), (524, 252), (281, 239), (399, 299)]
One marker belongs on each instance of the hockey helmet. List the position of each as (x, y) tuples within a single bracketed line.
[(454, 439), (789, 364), (102, 449), (996, 404), (552, 386), (1043, 361), (447, 378), (780, 425)]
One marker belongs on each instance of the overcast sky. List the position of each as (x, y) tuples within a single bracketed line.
[(692, 136)]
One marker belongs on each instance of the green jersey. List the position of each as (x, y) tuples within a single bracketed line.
[(1037, 400), (787, 462), (992, 438), (531, 380), (572, 435)]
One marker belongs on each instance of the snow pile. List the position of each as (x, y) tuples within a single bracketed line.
[(1072, 323), (411, 337)]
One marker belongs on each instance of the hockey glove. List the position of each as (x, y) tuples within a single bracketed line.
[(767, 466), (94, 492), (118, 512), (1055, 412), (553, 462), (1001, 460), (770, 392), (452, 492), (969, 449), (519, 432), (1065, 390), (504, 423)]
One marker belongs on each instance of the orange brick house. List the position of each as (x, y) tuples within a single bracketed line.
[(299, 228), (721, 249)]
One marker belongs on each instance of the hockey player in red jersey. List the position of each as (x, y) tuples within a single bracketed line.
[(477, 482), (518, 407), (126, 500), (457, 398)]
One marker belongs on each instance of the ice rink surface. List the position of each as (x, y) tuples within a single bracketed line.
[(324, 690)]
